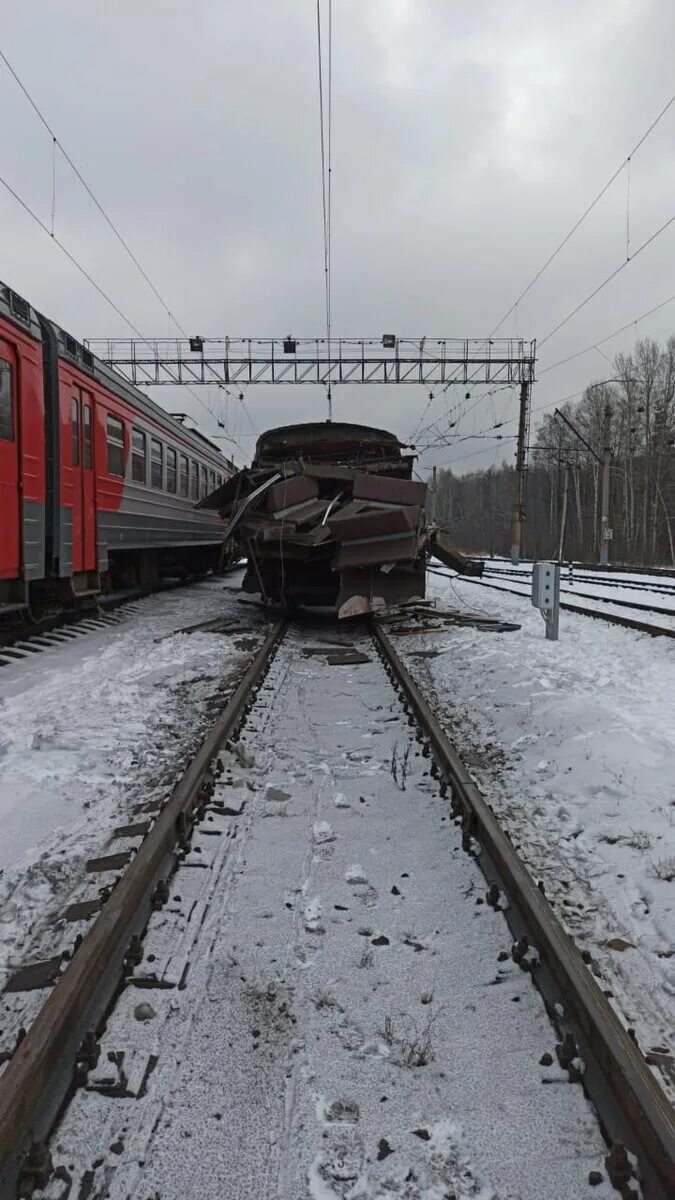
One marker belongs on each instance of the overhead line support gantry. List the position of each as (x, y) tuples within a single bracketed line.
[(387, 360)]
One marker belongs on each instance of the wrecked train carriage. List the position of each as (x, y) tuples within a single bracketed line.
[(328, 514)]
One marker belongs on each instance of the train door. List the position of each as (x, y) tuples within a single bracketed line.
[(82, 476), (87, 479), (10, 553)]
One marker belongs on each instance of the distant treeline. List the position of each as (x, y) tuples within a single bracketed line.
[(564, 477)]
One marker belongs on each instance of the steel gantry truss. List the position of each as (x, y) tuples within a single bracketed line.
[(385, 360)]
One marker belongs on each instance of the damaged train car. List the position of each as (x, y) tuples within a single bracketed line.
[(328, 514)]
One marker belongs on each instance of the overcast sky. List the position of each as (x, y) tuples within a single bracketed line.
[(468, 136)]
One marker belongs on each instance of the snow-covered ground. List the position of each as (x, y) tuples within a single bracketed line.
[(573, 744), (349, 1024), (86, 730)]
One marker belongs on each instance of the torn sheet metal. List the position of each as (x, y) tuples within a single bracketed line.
[(328, 514)]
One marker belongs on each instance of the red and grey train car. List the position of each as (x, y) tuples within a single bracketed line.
[(98, 485)]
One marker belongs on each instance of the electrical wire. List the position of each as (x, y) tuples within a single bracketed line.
[(97, 287), (608, 337), (330, 162), (57, 144), (462, 458), (325, 138), (252, 423), (609, 279), (33, 215), (583, 216), (561, 362)]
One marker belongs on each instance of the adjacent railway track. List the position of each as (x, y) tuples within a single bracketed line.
[(62, 1044), (584, 578), (41, 1071), (605, 574), (611, 618), (31, 635)]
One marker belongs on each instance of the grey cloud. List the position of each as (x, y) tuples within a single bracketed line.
[(467, 138)]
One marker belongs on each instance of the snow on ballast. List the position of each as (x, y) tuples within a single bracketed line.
[(296, 1024)]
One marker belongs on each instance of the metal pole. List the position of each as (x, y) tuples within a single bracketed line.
[(604, 515), (563, 515), (434, 496), (521, 468)]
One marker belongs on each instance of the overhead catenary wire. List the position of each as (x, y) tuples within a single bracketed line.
[(57, 144), (500, 425), (622, 265), (325, 138), (552, 366), (90, 279), (587, 211), (57, 242), (626, 164), (330, 163), (608, 337)]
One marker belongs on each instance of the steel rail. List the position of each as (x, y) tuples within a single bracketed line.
[(611, 618), (637, 605), (39, 1076), (586, 577), (648, 1117), (29, 626)]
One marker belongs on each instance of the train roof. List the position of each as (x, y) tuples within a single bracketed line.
[(21, 313), (331, 440), (14, 308)]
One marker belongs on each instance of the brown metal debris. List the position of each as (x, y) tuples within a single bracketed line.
[(346, 658), (109, 862), (83, 909), (401, 620), (36, 975), (451, 557), (328, 514), (138, 829)]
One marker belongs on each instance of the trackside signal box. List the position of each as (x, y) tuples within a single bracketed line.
[(544, 583), (546, 595)]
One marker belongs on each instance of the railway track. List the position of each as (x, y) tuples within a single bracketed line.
[(583, 577), (91, 1052), (604, 574), (32, 636), (611, 618)]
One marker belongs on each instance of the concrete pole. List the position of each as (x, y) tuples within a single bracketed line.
[(521, 468), (604, 501)]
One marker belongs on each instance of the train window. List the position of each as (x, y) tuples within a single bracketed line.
[(156, 463), (6, 409), (203, 484), (170, 470), (212, 481), (184, 476), (74, 432), (87, 444), (139, 456), (115, 444), (194, 487)]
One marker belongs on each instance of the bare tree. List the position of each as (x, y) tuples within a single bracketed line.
[(476, 507)]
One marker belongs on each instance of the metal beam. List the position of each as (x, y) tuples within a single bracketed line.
[(431, 362)]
